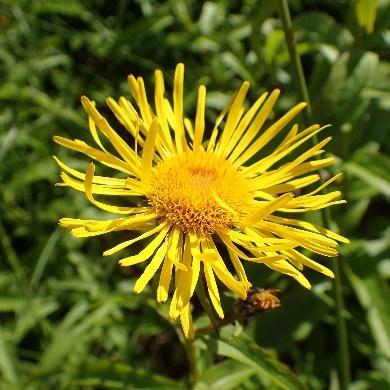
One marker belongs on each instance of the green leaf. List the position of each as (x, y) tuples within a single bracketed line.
[(7, 141), (7, 361), (355, 212), (342, 89), (321, 28), (234, 64), (101, 373), (33, 312), (226, 375), (70, 332), (9, 303), (300, 324), (244, 350), (371, 167), (371, 289), (366, 175), (212, 15), (366, 14), (374, 296)]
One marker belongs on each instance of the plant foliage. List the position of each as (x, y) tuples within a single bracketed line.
[(68, 317)]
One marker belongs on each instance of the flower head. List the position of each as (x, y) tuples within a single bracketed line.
[(199, 195)]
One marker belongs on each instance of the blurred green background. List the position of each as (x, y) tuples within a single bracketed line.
[(68, 317)]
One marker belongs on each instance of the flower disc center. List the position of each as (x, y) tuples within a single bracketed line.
[(199, 192)]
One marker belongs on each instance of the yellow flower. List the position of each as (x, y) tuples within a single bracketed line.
[(198, 196)]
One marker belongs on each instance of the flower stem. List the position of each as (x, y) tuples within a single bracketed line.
[(192, 360), (285, 16), (344, 363)]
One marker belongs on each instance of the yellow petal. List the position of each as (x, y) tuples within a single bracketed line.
[(269, 134), (263, 245), (236, 137), (97, 188), (268, 209), (238, 266), (103, 157), (293, 185), (93, 131), (112, 209), (107, 181), (261, 258), (299, 257), (267, 162), (256, 125), (199, 119), (147, 252), (130, 112), (213, 289), (118, 143), (189, 279), (146, 111), (234, 115), (165, 281), (214, 132), (186, 322), (178, 108), (88, 228), (170, 258), (122, 116), (288, 138), (160, 109), (137, 89), (309, 240), (127, 243), (227, 279), (148, 152), (151, 268), (309, 226), (174, 312), (284, 267)]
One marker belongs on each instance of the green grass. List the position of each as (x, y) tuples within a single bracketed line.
[(68, 316)]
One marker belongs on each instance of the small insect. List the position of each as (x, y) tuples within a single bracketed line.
[(257, 301)]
